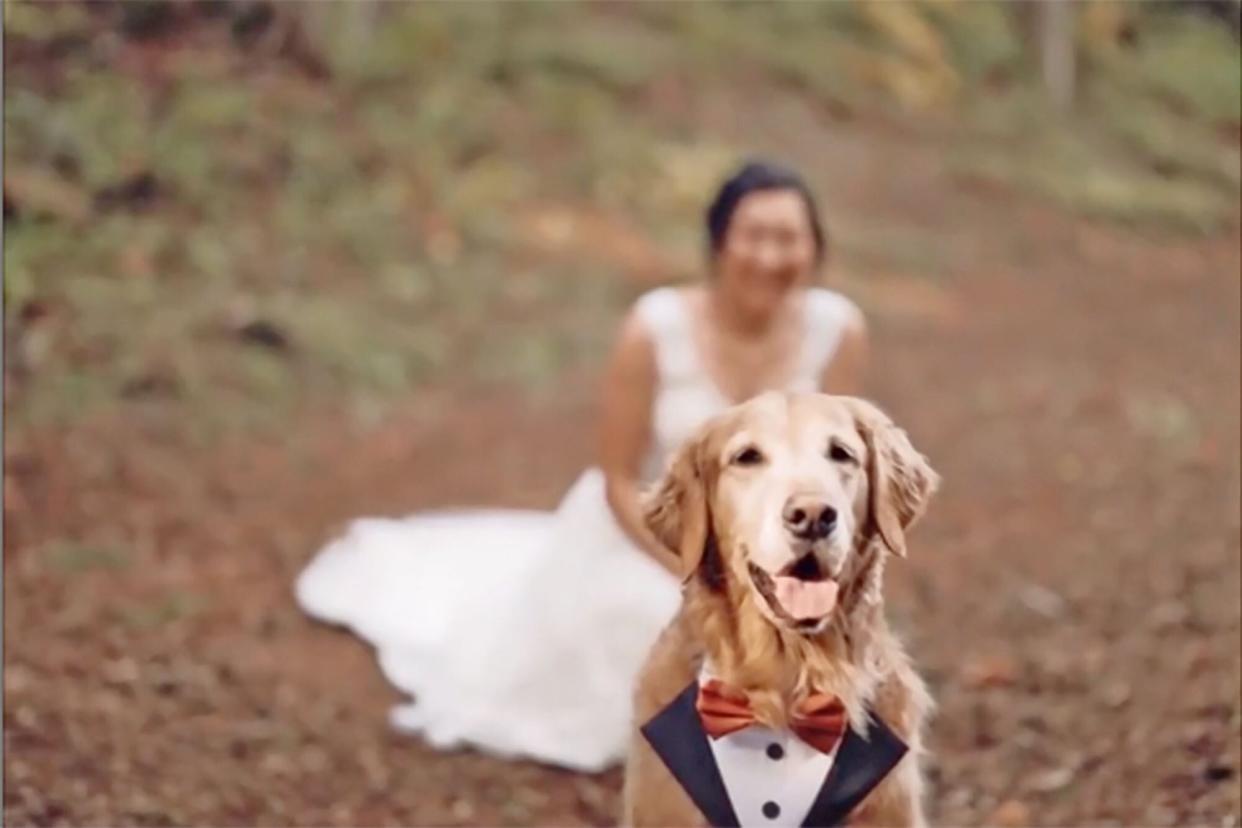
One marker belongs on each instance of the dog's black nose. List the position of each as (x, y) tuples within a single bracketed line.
[(808, 518)]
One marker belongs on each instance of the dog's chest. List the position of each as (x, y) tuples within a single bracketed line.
[(772, 777)]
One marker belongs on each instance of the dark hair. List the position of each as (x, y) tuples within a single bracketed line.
[(752, 177)]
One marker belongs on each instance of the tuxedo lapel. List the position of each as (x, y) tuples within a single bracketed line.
[(677, 736), (860, 765)]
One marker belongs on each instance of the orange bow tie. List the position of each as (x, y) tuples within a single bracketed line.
[(818, 720)]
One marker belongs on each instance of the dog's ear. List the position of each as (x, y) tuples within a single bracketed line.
[(900, 478), (676, 509)]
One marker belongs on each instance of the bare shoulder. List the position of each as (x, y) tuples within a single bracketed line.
[(843, 311), (846, 327), (853, 334), (657, 312), (634, 346), (855, 320)]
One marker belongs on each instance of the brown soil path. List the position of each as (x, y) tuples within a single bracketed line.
[(1073, 597)]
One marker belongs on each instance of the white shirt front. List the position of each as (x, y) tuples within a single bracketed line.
[(772, 776)]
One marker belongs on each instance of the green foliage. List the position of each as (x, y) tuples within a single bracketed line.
[(171, 608), (1148, 144), (1073, 175), (1191, 63), (377, 220), (981, 38), (78, 557)]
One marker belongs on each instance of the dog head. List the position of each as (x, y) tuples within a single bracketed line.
[(788, 495)]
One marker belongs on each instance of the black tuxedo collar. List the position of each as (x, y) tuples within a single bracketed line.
[(677, 736), (861, 764)]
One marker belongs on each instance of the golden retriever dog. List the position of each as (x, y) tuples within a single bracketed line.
[(783, 511)]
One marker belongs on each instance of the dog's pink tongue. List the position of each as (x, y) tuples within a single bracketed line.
[(805, 600)]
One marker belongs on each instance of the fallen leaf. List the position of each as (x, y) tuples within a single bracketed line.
[(1218, 773), (1011, 813), (40, 191), (1052, 780), (1117, 694), (264, 333), (1042, 601), (1168, 616), (989, 671)]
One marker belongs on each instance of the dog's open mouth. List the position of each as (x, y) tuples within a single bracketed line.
[(802, 595)]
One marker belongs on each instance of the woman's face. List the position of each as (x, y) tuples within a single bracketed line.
[(768, 250)]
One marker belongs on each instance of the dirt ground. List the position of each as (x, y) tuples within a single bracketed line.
[(1073, 596)]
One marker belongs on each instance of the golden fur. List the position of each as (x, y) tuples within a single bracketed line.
[(855, 656)]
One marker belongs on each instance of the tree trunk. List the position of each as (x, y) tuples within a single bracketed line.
[(1046, 28), (1057, 51)]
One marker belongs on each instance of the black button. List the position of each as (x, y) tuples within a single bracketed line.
[(775, 751), (771, 810)]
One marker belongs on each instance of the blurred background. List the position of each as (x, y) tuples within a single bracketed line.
[(268, 266)]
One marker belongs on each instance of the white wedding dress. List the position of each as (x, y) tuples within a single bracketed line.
[(520, 632)]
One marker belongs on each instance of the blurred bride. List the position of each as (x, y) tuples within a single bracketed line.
[(519, 632)]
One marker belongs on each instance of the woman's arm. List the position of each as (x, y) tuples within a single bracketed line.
[(845, 372), (625, 433)]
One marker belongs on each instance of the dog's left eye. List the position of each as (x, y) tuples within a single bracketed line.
[(838, 453), (749, 456)]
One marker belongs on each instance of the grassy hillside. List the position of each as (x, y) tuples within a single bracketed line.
[(217, 213)]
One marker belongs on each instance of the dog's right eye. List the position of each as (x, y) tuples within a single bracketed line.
[(749, 456)]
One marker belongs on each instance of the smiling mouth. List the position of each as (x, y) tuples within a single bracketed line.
[(801, 596)]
